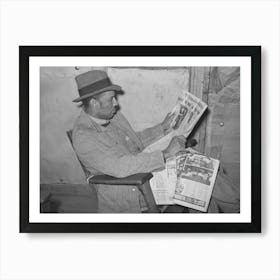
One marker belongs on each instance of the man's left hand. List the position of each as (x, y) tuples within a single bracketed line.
[(167, 122)]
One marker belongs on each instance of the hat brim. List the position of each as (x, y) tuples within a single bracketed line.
[(109, 88)]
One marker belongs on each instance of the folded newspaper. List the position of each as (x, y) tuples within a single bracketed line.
[(196, 175), (188, 178)]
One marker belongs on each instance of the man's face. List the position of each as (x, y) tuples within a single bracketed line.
[(106, 105)]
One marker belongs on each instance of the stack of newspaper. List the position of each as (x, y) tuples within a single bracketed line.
[(189, 177)]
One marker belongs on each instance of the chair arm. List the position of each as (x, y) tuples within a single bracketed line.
[(135, 179)]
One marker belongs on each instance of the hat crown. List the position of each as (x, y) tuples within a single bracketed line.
[(92, 83), (90, 77)]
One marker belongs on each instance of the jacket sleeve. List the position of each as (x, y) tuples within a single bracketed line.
[(97, 155), (150, 135)]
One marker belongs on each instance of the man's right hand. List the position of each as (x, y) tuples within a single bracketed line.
[(177, 144)]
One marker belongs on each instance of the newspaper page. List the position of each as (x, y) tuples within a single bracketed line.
[(196, 175), (187, 112), (163, 183)]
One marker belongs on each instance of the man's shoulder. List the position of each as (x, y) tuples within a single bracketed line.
[(120, 118), (87, 135), (83, 125)]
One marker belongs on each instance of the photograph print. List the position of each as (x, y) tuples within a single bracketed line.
[(156, 142)]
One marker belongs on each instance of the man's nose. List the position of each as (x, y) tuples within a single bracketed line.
[(115, 102)]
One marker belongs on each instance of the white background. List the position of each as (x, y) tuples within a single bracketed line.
[(139, 256)]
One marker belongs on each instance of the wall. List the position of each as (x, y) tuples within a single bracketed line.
[(222, 137), (58, 162), (149, 94)]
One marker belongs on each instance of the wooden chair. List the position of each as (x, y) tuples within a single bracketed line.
[(138, 180)]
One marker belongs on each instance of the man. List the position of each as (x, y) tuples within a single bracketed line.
[(106, 144)]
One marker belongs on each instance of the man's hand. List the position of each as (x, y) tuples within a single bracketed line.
[(167, 122), (177, 144), (193, 151)]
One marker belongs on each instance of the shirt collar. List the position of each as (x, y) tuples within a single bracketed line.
[(101, 122)]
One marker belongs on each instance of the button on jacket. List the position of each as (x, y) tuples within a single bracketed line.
[(116, 150)]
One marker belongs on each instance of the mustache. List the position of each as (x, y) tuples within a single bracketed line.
[(116, 108)]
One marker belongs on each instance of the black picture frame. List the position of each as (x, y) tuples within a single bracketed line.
[(254, 52)]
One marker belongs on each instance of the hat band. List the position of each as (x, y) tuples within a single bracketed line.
[(95, 86)]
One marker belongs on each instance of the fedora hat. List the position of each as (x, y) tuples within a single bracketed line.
[(93, 83)]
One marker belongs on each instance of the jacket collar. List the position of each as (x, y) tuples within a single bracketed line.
[(87, 120)]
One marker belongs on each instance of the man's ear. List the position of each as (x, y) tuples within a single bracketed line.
[(94, 103)]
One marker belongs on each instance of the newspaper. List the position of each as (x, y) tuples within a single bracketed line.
[(163, 183), (187, 112), (196, 175), (187, 180)]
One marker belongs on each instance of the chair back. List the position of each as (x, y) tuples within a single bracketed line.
[(69, 135)]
